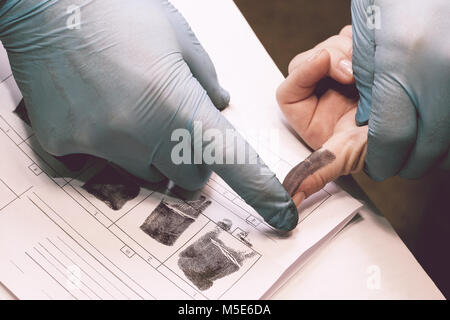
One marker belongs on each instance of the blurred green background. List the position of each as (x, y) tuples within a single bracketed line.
[(419, 210)]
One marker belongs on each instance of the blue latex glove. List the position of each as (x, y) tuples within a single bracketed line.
[(116, 80), (401, 60)]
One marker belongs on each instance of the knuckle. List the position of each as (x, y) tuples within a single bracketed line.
[(50, 144), (54, 143)]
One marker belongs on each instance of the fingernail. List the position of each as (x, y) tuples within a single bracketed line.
[(315, 55), (298, 198), (346, 66)]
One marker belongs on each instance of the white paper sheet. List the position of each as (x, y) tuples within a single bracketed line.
[(58, 241)]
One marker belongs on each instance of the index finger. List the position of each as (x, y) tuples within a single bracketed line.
[(209, 142)]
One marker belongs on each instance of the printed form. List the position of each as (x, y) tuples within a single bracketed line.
[(80, 228)]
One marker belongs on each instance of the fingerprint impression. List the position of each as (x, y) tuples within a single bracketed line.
[(171, 218), (209, 259)]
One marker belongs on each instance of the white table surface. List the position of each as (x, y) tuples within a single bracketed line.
[(367, 260)]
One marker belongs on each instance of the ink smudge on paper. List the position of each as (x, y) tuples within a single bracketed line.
[(171, 218), (113, 188)]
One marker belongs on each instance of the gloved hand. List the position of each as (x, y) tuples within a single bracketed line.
[(401, 60), (115, 79)]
